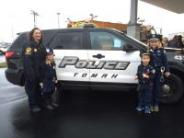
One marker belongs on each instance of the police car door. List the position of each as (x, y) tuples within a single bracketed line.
[(68, 50), (109, 62)]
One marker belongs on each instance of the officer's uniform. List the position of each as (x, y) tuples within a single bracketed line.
[(159, 62), (33, 60), (145, 85)]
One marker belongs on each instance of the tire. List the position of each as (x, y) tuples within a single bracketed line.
[(175, 93)]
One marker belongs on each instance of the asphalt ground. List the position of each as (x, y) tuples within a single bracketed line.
[(86, 114)]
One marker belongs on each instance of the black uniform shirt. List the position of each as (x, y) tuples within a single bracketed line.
[(148, 70), (34, 56), (158, 58)]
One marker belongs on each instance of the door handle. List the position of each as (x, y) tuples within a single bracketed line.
[(99, 56)]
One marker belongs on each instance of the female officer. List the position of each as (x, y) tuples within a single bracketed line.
[(33, 60)]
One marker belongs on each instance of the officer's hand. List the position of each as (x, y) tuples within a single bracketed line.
[(167, 74), (136, 78), (145, 76), (41, 84), (56, 81)]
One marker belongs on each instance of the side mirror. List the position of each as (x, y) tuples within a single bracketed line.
[(129, 48)]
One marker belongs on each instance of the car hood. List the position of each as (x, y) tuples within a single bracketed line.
[(177, 50)]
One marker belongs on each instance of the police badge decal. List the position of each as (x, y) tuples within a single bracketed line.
[(28, 51)]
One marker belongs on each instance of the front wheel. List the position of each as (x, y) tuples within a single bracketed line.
[(172, 89)]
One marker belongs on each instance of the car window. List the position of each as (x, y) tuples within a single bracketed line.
[(68, 40), (20, 42), (48, 35), (23, 39), (106, 41)]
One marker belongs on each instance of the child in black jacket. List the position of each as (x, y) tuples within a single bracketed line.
[(145, 76), (49, 80)]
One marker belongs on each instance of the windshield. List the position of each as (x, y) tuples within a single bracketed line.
[(141, 43)]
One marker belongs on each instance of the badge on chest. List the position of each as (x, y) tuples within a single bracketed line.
[(28, 51), (35, 49), (158, 52)]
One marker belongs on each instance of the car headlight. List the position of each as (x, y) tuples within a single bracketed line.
[(179, 57)]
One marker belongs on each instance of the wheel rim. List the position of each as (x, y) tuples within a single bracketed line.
[(168, 89)]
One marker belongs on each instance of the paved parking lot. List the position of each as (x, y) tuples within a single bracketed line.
[(86, 115), (2, 58)]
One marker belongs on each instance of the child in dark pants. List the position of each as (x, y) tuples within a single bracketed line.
[(49, 80), (145, 75), (159, 62)]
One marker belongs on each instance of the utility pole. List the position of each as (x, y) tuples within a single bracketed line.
[(58, 19), (12, 33), (35, 14), (92, 16), (133, 27)]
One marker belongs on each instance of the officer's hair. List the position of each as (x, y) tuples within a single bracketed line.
[(145, 54), (31, 33)]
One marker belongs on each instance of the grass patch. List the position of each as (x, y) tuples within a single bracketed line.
[(3, 65)]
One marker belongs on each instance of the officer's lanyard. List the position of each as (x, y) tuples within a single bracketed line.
[(162, 70)]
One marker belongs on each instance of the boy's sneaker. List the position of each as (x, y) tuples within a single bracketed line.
[(55, 105), (139, 108), (35, 109), (156, 108), (49, 107), (147, 110)]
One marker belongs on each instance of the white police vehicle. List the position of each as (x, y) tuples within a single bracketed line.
[(93, 58)]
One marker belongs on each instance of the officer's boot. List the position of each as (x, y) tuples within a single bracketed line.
[(47, 100), (147, 110), (49, 105)]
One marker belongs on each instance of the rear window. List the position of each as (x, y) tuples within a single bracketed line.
[(21, 41), (68, 40)]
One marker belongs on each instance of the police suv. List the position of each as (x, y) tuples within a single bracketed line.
[(94, 58)]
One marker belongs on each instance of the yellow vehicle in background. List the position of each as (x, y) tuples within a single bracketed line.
[(98, 24), (145, 30)]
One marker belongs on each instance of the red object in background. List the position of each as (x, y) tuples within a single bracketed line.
[(9, 54)]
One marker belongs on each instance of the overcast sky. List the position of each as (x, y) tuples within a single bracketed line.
[(16, 16)]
